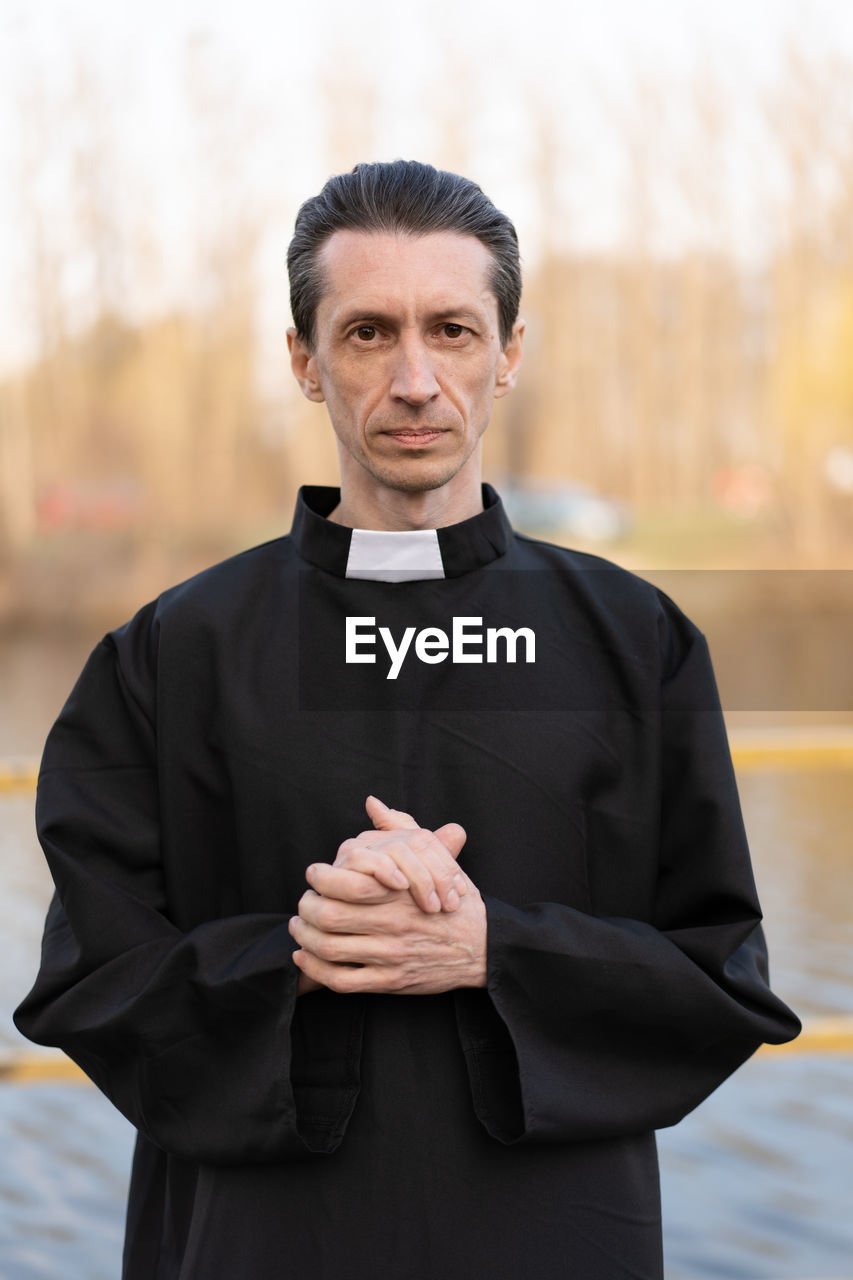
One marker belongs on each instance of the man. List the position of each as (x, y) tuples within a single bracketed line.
[(444, 1056)]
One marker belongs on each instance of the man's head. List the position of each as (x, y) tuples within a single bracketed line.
[(405, 298), (402, 197)]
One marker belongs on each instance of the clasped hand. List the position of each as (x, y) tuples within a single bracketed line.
[(393, 913)]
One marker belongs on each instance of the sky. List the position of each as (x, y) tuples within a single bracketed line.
[(435, 71)]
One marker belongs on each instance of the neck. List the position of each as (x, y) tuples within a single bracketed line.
[(374, 506)]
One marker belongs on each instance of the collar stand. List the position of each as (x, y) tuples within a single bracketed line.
[(401, 556)]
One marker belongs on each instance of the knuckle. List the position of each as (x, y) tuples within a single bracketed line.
[(327, 915), (440, 851), (335, 981), (346, 980), (348, 849), (356, 857), (365, 888), (327, 948)]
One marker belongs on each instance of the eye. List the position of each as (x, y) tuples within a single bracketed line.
[(453, 330), (366, 332)]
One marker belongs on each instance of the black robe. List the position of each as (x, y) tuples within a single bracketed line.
[(219, 743)]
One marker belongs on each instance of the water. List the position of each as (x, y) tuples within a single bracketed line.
[(758, 1182), (63, 1183)]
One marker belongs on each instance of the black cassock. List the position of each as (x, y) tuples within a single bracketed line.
[(221, 742)]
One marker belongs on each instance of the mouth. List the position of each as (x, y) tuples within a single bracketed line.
[(412, 438)]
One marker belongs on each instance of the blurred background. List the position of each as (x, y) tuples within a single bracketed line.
[(681, 176), (682, 179)]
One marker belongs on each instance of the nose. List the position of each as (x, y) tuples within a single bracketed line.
[(413, 379)]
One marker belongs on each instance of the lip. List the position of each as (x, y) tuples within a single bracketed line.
[(415, 439)]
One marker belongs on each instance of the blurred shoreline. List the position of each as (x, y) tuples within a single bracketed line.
[(779, 631), (74, 582)]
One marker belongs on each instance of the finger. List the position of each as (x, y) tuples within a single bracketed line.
[(453, 837), (357, 855), (335, 915), (315, 941), (328, 914), (340, 948), (428, 866), (366, 852), (352, 884), (430, 870), (343, 978), (385, 819), (407, 857)]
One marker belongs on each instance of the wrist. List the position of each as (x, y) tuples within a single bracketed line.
[(479, 949)]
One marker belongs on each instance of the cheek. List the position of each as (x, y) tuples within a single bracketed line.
[(480, 394), (360, 386), (351, 413), (471, 385), (347, 395)]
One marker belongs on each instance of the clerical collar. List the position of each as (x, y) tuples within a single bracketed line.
[(397, 557)]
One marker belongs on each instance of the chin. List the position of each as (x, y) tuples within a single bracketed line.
[(418, 474), (414, 479)]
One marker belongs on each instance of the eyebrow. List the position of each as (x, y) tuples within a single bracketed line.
[(370, 315)]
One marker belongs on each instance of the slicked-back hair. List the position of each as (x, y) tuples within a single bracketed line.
[(403, 196)]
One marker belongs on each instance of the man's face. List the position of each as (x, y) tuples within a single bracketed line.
[(407, 357)]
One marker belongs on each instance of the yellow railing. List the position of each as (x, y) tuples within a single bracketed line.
[(795, 747), (820, 1036), (816, 747), (40, 1068), (18, 775), (800, 747)]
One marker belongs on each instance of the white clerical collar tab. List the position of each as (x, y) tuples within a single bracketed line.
[(404, 556)]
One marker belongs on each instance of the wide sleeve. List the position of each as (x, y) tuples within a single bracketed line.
[(596, 1025), (191, 1033)]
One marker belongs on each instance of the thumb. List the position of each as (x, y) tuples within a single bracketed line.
[(385, 819), (452, 836)]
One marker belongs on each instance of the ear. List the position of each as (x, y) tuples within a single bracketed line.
[(304, 366), (509, 361)]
